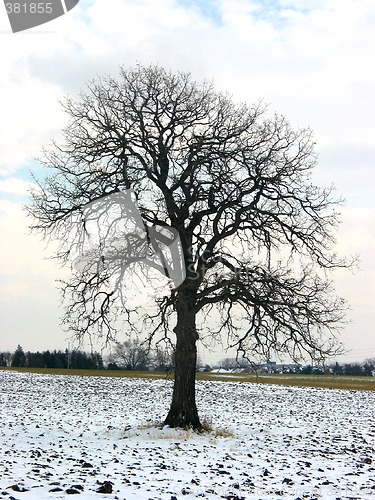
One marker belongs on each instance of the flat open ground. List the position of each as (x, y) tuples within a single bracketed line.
[(323, 381), (62, 434)]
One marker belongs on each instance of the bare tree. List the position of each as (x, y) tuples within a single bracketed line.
[(6, 358), (256, 237), (234, 363), (132, 355), (162, 359)]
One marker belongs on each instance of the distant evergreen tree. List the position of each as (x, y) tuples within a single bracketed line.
[(98, 359), (34, 359), (82, 361), (5, 358), (369, 367), (337, 369), (113, 366), (60, 359), (353, 369), (19, 358), (48, 359)]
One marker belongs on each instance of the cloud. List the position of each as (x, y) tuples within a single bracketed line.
[(358, 231), (21, 254), (31, 114), (307, 63), (14, 186), (351, 168), (29, 299)]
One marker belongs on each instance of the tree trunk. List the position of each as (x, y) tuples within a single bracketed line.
[(183, 411)]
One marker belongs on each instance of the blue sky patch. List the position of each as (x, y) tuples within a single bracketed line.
[(208, 8)]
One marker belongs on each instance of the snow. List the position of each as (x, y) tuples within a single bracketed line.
[(65, 434)]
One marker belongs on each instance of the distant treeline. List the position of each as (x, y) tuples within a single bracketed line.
[(130, 355), (365, 369), (52, 359)]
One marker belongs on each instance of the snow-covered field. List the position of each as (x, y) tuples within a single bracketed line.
[(61, 435)]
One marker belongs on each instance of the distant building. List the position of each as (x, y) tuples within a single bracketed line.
[(273, 367), (269, 367)]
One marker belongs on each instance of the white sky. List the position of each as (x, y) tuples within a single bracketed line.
[(310, 60)]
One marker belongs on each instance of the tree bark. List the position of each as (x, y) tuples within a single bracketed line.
[(183, 411)]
